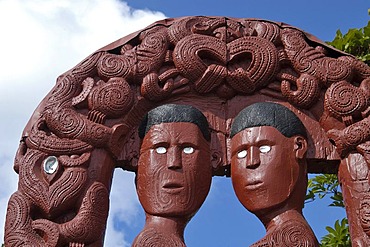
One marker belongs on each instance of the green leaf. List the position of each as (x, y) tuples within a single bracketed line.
[(355, 41), (337, 236)]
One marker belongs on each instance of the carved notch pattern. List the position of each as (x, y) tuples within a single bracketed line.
[(90, 111)]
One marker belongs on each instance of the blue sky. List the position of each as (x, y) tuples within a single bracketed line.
[(42, 39)]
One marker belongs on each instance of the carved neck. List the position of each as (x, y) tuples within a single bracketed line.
[(171, 225), (283, 217), (293, 204)]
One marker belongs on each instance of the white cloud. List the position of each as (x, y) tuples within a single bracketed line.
[(39, 41), (125, 207)]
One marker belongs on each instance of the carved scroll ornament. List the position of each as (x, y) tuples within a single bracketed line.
[(86, 126)]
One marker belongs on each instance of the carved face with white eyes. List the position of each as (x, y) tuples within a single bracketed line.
[(174, 171), (265, 167)]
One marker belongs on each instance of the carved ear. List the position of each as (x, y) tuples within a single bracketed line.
[(300, 147), (216, 159)]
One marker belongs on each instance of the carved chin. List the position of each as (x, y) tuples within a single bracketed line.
[(264, 201)]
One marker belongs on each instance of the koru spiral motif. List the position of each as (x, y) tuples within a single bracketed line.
[(72, 143)]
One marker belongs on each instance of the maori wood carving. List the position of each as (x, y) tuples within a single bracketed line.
[(269, 173), (174, 172), (88, 124)]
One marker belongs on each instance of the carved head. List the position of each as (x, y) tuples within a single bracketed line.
[(174, 170), (268, 148)]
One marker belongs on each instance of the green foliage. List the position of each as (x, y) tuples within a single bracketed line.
[(322, 185), (356, 42), (328, 185), (337, 236)]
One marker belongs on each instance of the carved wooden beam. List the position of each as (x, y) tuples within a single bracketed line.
[(87, 125)]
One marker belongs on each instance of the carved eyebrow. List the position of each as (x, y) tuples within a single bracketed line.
[(160, 144), (239, 148), (264, 142), (189, 144)]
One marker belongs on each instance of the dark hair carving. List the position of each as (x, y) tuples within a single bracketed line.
[(172, 113), (268, 114)]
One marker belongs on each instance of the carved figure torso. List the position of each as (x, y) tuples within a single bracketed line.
[(286, 230)]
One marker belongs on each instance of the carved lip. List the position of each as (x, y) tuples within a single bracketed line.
[(253, 185), (172, 186)]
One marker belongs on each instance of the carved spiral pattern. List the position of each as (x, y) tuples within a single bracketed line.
[(18, 230), (52, 198), (151, 89), (49, 231), (364, 213), (113, 98), (304, 64), (212, 77), (65, 122), (88, 225), (215, 56), (66, 87), (334, 70), (98, 199), (186, 54), (344, 99), (362, 70), (97, 134), (294, 233), (357, 133), (293, 40), (307, 93), (183, 28), (306, 59), (111, 65), (29, 184), (54, 145), (348, 138), (18, 210), (87, 68), (267, 31), (69, 84), (152, 238), (66, 189), (151, 52), (262, 67)]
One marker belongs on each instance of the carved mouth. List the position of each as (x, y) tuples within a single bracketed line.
[(253, 185), (170, 185), (173, 187)]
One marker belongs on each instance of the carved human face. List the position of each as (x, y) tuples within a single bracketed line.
[(264, 167), (174, 171)]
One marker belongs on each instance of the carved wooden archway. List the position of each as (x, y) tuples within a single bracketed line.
[(87, 125)]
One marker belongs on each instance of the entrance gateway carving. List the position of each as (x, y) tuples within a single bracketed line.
[(88, 124)]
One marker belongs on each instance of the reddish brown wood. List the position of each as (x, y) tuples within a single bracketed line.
[(269, 172), (88, 122), (173, 179)]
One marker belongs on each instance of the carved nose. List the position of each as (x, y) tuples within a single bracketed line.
[(174, 158), (253, 161)]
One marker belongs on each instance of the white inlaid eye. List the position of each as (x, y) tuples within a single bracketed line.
[(265, 148), (242, 154), (161, 150), (188, 150)]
